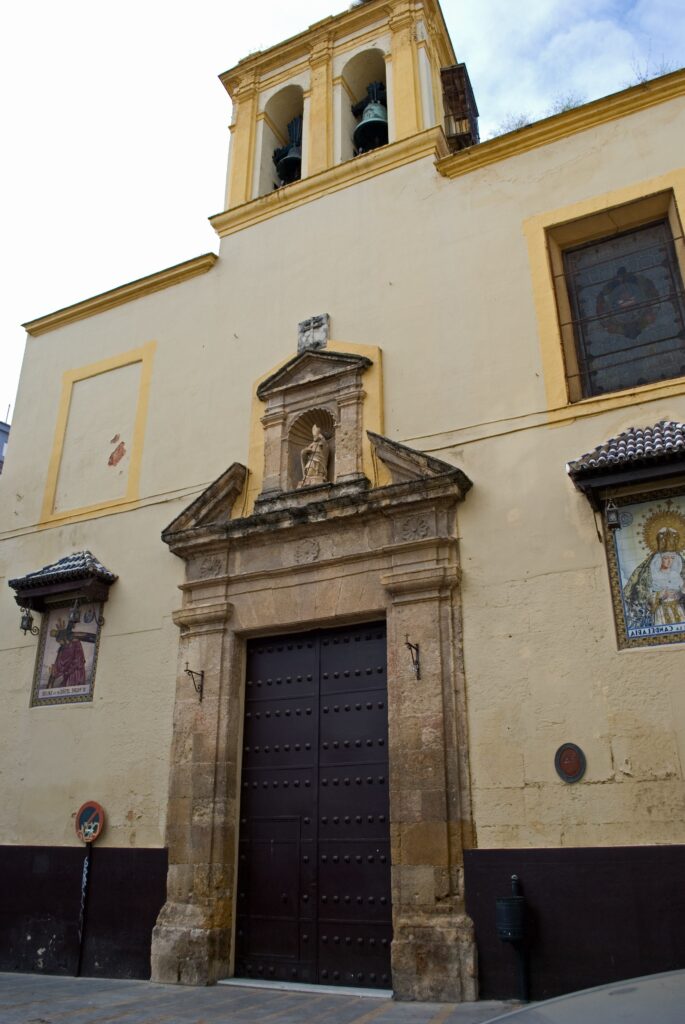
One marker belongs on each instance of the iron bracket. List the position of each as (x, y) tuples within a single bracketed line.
[(198, 680)]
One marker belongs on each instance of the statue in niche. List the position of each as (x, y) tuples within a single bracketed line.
[(314, 460)]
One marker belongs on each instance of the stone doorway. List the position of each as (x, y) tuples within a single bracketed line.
[(340, 550), (314, 894)]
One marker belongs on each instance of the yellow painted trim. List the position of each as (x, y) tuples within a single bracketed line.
[(418, 101), (289, 73), (338, 49), (430, 143), (408, 116), (143, 355), (241, 154), (362, 40), (551, 347), (561, 126), (320, 121), (368, 16), (124, 293), (372, 419)]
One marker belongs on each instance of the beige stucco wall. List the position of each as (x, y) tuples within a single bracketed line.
[(436, 272)]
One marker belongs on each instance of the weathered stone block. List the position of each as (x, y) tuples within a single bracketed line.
[(424, 843), (434, 959)]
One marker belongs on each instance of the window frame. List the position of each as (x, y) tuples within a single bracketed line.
[(609, 223)]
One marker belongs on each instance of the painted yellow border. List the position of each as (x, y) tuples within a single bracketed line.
[(369, 17), (430, 143), (124, 293), (559, 407), (372, 419), (551, 129), (143, 355)]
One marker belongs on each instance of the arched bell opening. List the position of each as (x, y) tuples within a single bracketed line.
[(365, 122), (281, 142), (302, 435)]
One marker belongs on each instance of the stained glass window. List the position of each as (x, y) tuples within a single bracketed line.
[(626, 295)]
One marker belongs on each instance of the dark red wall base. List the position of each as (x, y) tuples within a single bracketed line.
[(40, 897), (596, 915)]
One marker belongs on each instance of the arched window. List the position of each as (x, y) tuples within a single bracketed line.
[(280, 159), (364, 121)]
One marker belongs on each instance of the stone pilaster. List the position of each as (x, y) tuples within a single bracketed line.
[(320, 123), (191, 940), (243, 133), (434, 951), (405, 75), (348, 453), (275, 464)]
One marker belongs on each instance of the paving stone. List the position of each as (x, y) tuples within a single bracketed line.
[(48, 999)]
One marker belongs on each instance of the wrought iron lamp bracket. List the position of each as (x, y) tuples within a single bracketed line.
[(415, 656), (198, 679), (27, 625)]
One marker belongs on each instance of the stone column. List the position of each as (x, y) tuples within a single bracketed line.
[(434, 951), (191, 940)]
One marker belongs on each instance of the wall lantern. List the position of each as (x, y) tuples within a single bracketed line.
[(611, 515), (74, 613), (27, 625)]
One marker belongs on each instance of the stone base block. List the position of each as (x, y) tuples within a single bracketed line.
[(183, 954), (434, 959)]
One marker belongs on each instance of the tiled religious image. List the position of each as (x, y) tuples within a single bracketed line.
[(647, 565), (67, 655)]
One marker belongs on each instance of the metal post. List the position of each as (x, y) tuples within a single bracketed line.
[(522, 971), (82, 911)]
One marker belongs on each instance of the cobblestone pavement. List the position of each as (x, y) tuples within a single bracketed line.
[(42, 999)]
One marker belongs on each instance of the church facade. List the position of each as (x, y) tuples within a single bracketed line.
[(399, 613)]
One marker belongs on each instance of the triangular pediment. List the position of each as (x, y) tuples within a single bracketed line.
[(214, 506), (310, 367), (408, 464)]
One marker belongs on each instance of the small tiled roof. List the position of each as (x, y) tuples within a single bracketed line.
[(635, 447), (82, 565)]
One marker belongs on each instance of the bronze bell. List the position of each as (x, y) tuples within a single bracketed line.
[(372, 130), (288, 159)]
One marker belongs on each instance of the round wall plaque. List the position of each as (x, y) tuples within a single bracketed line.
[(570, 762), (90, 821)]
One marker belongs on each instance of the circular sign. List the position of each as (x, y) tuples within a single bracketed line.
[(90, 821), (570, 762)]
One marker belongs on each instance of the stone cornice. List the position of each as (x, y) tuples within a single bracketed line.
[(341, 504), (426, 144), (570, 122), (203, 619), (408, 586), (336, 27), (124, 293)]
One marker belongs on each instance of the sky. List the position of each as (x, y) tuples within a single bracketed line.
[(115, 122)]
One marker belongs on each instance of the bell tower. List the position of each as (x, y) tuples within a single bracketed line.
[(349, 85)]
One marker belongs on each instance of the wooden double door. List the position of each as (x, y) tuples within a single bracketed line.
[(313, 899)]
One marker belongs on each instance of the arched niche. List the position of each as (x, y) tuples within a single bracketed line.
[(359, 72), (300, 435), (279, 111)]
